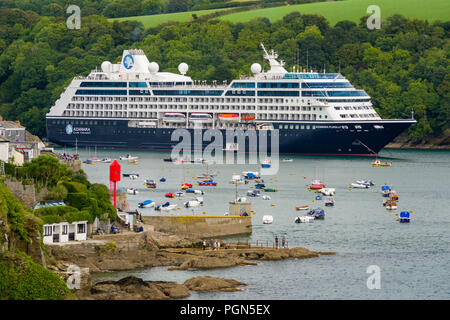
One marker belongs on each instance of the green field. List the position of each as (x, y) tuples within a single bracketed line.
[(353, 10), (156, 19)]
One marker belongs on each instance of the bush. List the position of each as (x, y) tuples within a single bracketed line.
[(22, 279)]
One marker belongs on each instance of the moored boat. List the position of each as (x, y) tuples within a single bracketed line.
[(298, 208), (267, 219), (128, 157), (378, 163), (146, 204), (304, 219), (133, 191)]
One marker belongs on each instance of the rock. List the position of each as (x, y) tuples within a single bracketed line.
[(302, 253), (208, 283), (133, 288)]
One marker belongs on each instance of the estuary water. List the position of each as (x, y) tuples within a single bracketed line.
[(413, 259)]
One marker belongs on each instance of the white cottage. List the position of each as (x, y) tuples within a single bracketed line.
[(64, 232)]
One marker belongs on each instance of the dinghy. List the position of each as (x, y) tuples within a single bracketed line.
[(359, 186), (132, 191), (146, 204), (298, 208), (404, 217), (253, 193), (267, 219), (329, 202), (318, 213), (265, 197), (128, 157), (304, 219), (192, 203)]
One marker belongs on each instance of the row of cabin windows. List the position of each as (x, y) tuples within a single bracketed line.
[(361, 115), (87, 106), (100, 84)]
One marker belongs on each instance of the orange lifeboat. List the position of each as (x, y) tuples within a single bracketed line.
[(248, 117), (229, 117)]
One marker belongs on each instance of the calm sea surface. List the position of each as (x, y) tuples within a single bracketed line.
[(413, 258)]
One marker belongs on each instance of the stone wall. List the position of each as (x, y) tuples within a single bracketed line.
[(201, 226), (25, 193)]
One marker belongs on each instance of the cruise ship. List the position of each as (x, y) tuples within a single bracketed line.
[(132, 105)]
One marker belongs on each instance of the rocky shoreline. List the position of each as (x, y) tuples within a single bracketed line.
[(151, 249), (433, 143)]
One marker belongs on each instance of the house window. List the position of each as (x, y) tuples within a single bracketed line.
[(48, 231), (81, 228), (65, 229)]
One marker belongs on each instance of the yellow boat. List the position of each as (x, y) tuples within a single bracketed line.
[(378, 163)]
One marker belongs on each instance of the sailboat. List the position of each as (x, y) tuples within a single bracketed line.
[(89, 160), (95, 159)]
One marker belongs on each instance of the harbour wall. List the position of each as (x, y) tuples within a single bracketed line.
[(201, 226)]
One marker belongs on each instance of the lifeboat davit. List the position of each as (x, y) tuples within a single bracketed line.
[(230, 117)]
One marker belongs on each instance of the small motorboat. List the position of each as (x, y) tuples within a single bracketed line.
[(250, 175), (179, 194), (190, 190), (298, 208), (260, 186), (162, 179), (319, 197), (265, 197), (88, 161), (133, 176), (288, 160), (186, 186), (130, 174), (146, 204), (359, 186), (393, 195), (316, 185), (391, 205), (169, 195), (385, 190), (369, 182), (253, 193), (266, 164), (241, 199), (404, 217), (165, 207), (192, 203), (328, 191), (128, 157), (329, 202), (304, 219), (133, 191), (106, 160), (318, 214), (267, 219), (378, 163), (207, 183), (270, 189), (150, 183), (133, 162)]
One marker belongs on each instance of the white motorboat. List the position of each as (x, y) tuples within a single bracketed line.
[(360, 186), (133, 191), (169, 207), (128, 157), (369, 182), (264, 197), (192, 203), (106, 160), (133, 176), (328, 191), (304, 219), (267, 219)]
